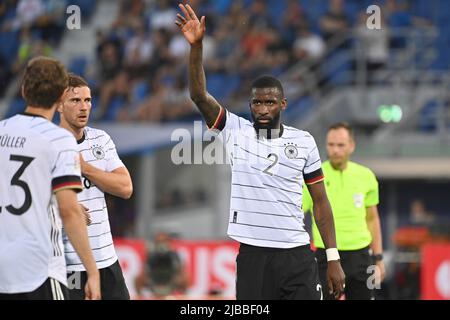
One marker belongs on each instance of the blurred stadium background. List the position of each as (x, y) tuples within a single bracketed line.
[(392, 85)]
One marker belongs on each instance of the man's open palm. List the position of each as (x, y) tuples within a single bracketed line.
[(192, 28)]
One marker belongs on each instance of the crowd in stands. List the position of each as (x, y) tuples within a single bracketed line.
[(139, 72), (30, 28)]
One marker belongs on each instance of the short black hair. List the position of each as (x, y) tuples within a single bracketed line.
[(267, 81), (343, 125)]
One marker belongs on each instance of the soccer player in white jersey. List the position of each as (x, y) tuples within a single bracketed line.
[(268, 166), (40, 174), (102, 171)]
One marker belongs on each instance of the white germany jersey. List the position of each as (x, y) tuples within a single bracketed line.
[(98, 149), (37, 158), (267, 179)]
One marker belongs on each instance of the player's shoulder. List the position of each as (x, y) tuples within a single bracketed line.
[(298, 134), (295, 132), (60, 131), (7, 123), (96, 136), (49, 131), (94, 131), (3, 122), (26, 123), (39, 129), (233, 117), (361, 169), (60, 137)]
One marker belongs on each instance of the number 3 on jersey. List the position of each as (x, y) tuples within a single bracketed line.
[(16, 182)]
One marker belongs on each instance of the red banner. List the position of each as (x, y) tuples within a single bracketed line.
[(436, 272), (210, 265), (132, 255)]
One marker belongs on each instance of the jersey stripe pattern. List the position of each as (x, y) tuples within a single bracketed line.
[(98, 149), (267, 179), (37, 159)]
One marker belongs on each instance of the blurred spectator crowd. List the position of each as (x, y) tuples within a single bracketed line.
[(139, 72)]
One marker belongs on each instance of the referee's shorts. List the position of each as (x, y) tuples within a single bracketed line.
[(277, 274), (51, 289)]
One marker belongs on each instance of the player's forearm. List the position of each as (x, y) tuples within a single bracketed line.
[(373, 224), (76, 230), (323, 217), (115, 183), (197, 78), (206, 104)]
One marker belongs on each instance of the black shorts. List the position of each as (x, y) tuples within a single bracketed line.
[(277, 274), (112, 284), (355, 264), (51, 289)]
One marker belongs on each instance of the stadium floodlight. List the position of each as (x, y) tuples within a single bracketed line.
[(390, 113)]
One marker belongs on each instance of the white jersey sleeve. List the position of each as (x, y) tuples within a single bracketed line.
[(112, 158), (228, 121), (233, 122), (66, 170), (313, 167)]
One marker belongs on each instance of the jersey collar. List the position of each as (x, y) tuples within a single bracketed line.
[(82, 138), (269, 132), (31, 115)]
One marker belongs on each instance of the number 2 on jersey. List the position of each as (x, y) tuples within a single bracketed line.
[(15, 181), (272, 155)]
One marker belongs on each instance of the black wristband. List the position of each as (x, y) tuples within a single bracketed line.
[(378, 257)]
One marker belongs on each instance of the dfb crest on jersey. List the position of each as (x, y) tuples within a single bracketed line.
[(98, 152), (291, 151)]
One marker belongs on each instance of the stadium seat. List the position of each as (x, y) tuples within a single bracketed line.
[(221, 6), (221, 85), (115, 105), (299, 107), (17, 105), (78, 65), (87, 6), (9, 44), (140, 92), (427, 118)]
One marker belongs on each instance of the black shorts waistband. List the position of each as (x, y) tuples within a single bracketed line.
[(247, 248)]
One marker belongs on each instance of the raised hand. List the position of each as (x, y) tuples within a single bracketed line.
[(192, 28)]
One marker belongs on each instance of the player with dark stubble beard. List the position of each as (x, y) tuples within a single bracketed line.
[(275, 260)]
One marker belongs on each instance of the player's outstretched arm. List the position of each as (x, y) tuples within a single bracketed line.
[(325, 223), (193, 30), (76, 230)]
